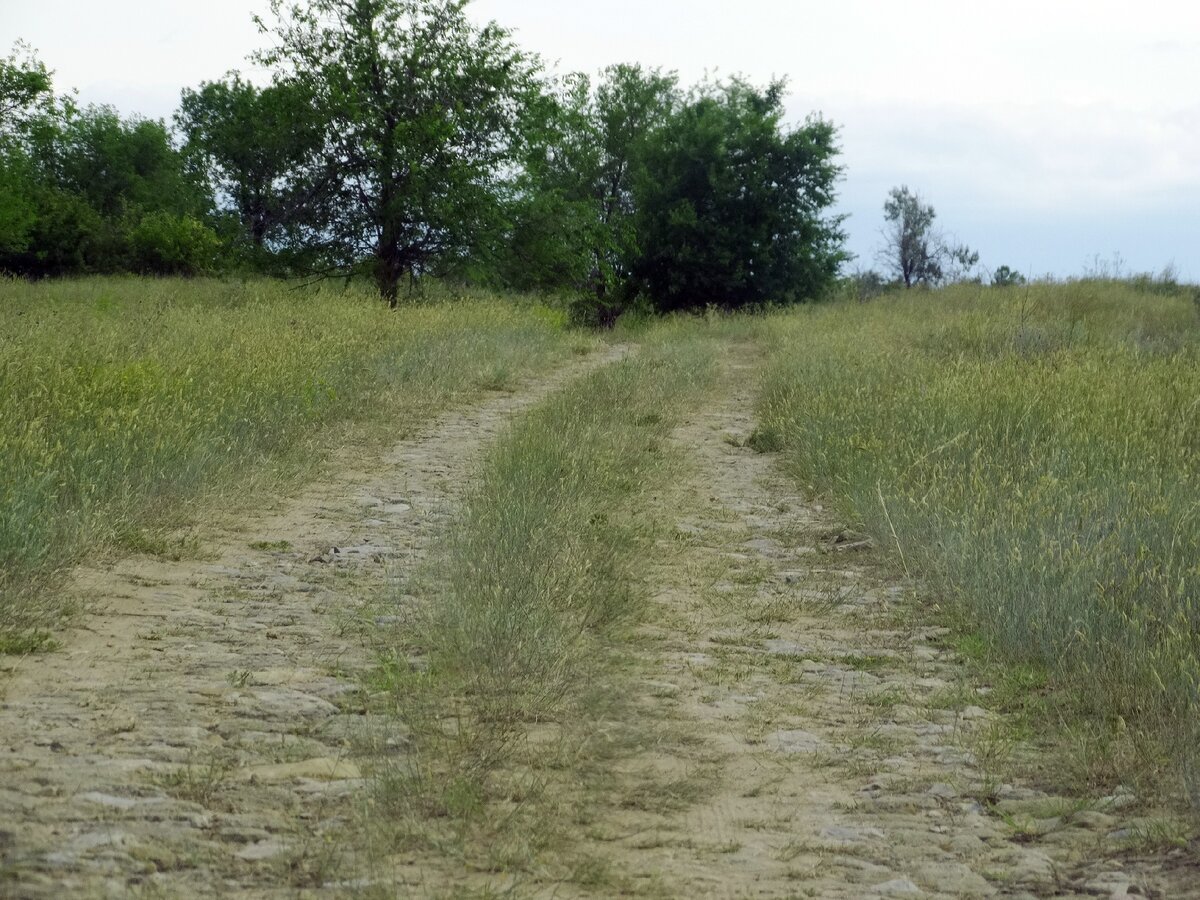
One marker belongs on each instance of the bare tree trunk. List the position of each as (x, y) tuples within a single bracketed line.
[(390, 268)]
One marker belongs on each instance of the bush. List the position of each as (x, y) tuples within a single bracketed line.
[(165, 244), (1006, 277), (733, 205)]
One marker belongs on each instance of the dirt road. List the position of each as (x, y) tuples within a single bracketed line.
[(193, 736), (843, 753), (200, 733)]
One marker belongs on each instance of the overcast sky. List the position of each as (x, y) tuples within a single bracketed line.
[(1045, 132)]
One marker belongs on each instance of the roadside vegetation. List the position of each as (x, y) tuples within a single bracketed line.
[(505, 671), (1031, 455), (125, 401)]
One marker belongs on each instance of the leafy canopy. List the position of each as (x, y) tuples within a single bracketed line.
[(248, 141), (732, 205), (421, 111), (574, 215)]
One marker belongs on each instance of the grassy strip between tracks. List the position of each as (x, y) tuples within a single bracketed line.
[(506, 683)]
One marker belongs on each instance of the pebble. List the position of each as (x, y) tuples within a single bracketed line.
[(281, 677), (88, 841), (114, 802), (955, 879), (1113, 884), (898, 887), (765, 546), (285, 704), (1009, 792), (796, 742), (841, 834), (268, 849), (1096, 821), (661, 688), (1034, 866), (1119, 800), (784, 648), (967, 845), (943, 792), (321, 768)]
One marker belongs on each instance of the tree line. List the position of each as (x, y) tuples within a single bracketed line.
[(398, 139)]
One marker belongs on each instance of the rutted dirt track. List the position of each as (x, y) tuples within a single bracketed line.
[(190, 739), (849, 763)]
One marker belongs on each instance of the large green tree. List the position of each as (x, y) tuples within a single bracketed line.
[(422, 110), (25, 87), (25, 93), (248, 142), (106, 194), (733, 206), (575, 225)]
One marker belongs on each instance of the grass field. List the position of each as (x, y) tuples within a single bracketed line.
[(123, 402), (1032, 455)]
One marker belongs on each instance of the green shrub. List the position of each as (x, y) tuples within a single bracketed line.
[(167, 244)]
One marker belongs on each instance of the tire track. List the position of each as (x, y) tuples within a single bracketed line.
[(193, 736), (842, 754)]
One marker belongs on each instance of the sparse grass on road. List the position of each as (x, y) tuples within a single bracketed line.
[(510, 672)]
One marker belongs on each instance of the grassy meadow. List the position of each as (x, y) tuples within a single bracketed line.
[(1033, 456), (124, 402)]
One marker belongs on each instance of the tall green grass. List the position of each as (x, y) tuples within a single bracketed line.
[(1035, 453), (122, 399), (522, 610)]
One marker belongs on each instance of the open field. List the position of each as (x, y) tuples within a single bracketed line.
[(799, 604), (1033, 455), (124, 402)]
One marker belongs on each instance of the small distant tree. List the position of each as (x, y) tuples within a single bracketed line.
[(867, 284), (914, 251), (1006, 277)]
